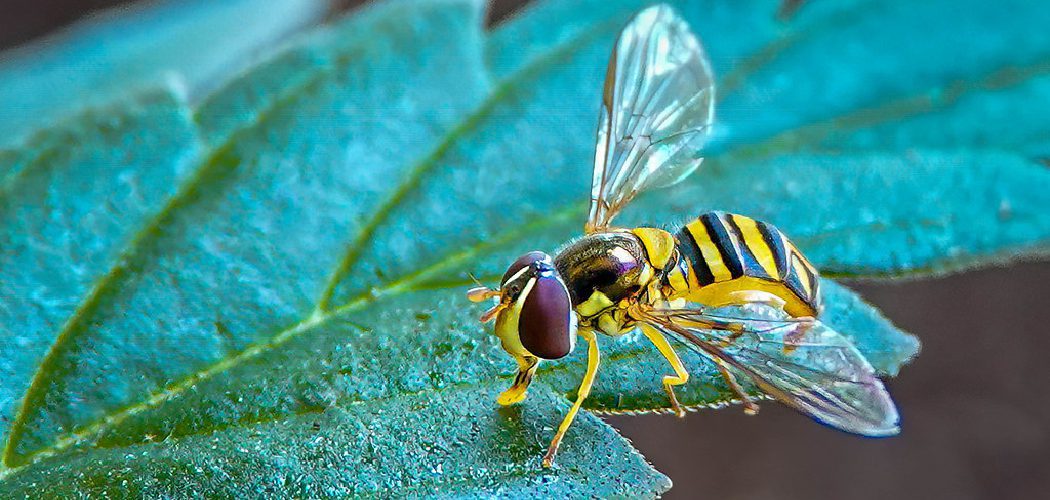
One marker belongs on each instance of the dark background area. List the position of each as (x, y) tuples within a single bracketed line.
[(976, 416)]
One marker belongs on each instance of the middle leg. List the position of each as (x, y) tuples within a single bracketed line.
[(680, 377)]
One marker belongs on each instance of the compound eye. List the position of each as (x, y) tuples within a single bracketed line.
[(523, 262), (547, 325)]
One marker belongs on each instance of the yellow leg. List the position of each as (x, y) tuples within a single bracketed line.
[(750, 407), (593, 357), (516, 392), (680, 377)]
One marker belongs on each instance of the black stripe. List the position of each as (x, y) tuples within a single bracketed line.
[(794, 281), (746, 253), (720, 237), (775, 241), (811, 277), (687, 245)]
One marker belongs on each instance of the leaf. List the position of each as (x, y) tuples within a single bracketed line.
[(198, 42), (314, 262)]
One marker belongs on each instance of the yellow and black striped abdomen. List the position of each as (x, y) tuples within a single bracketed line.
[(726, 256)]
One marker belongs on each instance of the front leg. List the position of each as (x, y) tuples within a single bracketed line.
[(517, 391), (593, 358)]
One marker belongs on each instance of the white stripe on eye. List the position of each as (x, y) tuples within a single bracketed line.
[(572, 320), (517, 274)]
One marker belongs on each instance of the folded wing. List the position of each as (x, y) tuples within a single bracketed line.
[(802, 363)]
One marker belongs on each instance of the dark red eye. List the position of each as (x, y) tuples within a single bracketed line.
[(547, 325), (523, 262)]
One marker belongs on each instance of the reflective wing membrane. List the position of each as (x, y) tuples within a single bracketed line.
[(657, 110), (803, 363)]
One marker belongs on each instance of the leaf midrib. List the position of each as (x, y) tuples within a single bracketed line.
[(319, 316), (209, 165)]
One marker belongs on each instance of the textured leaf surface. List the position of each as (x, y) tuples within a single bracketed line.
[(893, 60), (196, 42), (122, 163), (311, 267), (449, 442)]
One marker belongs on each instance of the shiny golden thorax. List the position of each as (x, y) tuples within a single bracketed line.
[(607, 272)]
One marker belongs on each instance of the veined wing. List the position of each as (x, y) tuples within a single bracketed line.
[(803, 363), (657, 110)]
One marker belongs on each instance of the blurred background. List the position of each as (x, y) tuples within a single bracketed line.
[(976, 418)]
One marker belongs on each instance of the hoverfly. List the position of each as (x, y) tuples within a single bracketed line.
[(656, 112)]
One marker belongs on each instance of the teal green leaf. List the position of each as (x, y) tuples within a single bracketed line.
[(198, 43), (308, 263)]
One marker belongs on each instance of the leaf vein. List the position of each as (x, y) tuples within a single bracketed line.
[(320, 314), (209, 165)]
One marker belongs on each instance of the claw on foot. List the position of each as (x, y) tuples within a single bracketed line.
[(511, 396), (676, 407), (548, 459)]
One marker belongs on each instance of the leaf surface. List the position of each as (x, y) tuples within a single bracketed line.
[(313, 265), (123, 162), (197, 43), (216, 297)]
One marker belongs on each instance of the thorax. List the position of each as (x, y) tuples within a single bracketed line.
[(606, 272)]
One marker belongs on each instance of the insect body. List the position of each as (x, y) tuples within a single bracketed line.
[(657, 109)]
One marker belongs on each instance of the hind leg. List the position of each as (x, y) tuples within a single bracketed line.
[(750, 407)]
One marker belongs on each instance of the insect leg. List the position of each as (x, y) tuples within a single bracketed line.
[(750, 407), (691, 319), (516, 392), (593, 358), (680, 377)]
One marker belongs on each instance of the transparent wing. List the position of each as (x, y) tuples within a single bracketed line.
[(803, 363), (657, 110)]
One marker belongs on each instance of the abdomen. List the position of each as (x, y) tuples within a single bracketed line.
[(725, 257)]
